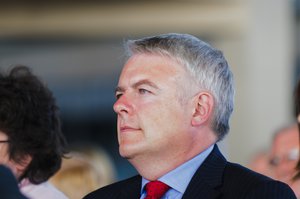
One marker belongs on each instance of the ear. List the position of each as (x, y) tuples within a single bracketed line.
[(204, 103)]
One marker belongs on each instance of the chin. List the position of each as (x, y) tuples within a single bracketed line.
[(129, 151), (125, 152)]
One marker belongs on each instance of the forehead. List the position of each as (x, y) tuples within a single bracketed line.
[(151, 66)]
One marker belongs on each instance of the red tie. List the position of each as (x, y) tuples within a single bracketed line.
[(156, 189)]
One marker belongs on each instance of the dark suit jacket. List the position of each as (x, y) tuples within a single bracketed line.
[(215, 179), (8, 185)]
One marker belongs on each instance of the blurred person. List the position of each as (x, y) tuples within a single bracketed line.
[(83, 171), (174, 100), (8, 185), (285, 153), (295, 183), (32, 144), (101, 161), (297, 111), (260, 163)]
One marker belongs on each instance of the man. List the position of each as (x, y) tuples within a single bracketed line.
[(31, 142), (174, 100)]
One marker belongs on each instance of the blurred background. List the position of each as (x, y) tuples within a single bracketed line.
[(76, 47)]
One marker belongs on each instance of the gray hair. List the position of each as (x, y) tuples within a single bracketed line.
[(206, 65)]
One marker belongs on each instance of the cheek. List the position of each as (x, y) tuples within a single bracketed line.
[(4, 159), (154, 113), (164, 118), (3, 155)]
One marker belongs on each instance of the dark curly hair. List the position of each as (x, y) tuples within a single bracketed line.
[(29, 117)]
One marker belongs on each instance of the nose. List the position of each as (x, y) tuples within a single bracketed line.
[(122, 105)]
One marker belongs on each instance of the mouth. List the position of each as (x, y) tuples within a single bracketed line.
[(127, 129)]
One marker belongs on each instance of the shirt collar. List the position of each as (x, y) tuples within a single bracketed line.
[(184, 172)]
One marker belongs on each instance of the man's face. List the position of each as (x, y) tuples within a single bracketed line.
[(153, 111), (285, 154)]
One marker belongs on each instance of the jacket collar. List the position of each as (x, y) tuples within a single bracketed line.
[(132, 188), (207, 179)]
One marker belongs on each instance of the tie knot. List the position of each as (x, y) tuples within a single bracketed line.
[(156, 189)]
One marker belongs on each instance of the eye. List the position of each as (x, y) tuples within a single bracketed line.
[(118, 95), (143, 91)]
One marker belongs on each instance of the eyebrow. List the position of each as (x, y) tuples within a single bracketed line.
[(119, 89), (146, 82), (137, 84)]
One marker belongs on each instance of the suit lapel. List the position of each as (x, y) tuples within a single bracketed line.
[(132, 189), (208, 177)]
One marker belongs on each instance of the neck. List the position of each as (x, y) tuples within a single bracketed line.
[(154, 166)]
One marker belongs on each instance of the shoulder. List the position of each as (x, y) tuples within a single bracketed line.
[(235, 181), (128, 187), (8, 184), (43, 190), (250, 184), (237, 173)]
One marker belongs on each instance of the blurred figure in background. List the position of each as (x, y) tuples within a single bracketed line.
[(297, 112), (260, 162), (285, 153), (31, 141), (295, 184), (85, 170)]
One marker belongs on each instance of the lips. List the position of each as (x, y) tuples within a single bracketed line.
[(128, 128)]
